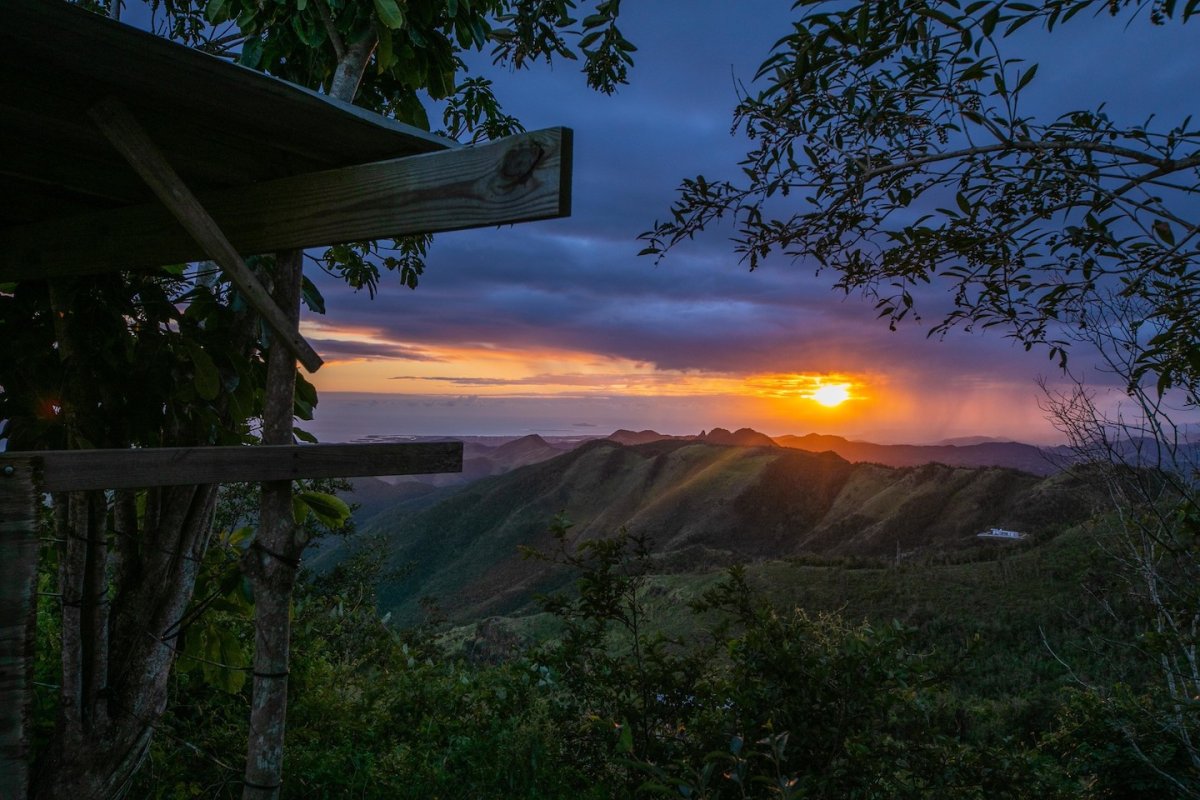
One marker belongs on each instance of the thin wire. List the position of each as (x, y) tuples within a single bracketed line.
[(179, 653)]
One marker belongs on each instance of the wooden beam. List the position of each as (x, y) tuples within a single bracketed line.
[(19, 500), (78, 470), (128, 137), (517, 179)]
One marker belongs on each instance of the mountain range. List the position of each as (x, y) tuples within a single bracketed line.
[(1035, 460), (975, 451), (705, 504)]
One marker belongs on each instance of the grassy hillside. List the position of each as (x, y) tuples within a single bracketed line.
[(704, 506)]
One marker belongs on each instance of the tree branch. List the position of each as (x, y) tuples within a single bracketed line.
[(348, 74), (339, 46), (1170, 165)]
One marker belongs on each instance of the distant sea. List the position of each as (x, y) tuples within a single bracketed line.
[(347, 416)]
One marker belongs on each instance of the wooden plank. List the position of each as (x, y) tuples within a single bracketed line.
[(125, 134), (77, 470), (18, 583), (518, 179)]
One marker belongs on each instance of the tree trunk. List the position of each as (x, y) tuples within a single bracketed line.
[(351, 66), (272, 561), (124, 587), (116, 663)]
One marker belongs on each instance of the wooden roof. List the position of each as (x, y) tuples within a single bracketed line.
[(219, 124)]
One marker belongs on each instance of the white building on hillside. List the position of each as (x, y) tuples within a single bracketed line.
[(1001, 533)]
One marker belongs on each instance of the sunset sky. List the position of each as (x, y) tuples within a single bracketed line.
[(559, 327)]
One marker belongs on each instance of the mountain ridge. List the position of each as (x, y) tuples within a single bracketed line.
[(705, 505), (970, 451)]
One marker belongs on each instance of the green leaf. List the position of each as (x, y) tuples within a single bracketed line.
[(989, 21), (330, 510), (1027, 77), (305, 390), (206, 379), (239, 535), (304, 436), (300, 510), (215, 10), (252, 51), (625, 739), (1163, 230), (308, 290), (211, 666), (234, 657), (940, 16), (385, 59), (193, 648), (308, 31), (389, 14)]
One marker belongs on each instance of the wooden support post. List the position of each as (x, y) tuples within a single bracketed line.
[(18, 584), (132, 141)]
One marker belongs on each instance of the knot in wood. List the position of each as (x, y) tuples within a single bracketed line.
[(520, 161)]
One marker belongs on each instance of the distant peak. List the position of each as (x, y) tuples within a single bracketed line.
[(743, 437), (531, 442), (624, 436), (532, 438)]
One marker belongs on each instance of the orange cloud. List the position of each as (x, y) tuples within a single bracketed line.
[(887, 407)]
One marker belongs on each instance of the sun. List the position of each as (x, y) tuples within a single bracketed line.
[(831, 394)]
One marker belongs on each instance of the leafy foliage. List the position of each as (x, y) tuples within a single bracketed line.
[(761, 700), (619, 682), (174, 339), (373, 713)]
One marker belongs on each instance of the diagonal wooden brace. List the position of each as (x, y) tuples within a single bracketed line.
[(135, 145)]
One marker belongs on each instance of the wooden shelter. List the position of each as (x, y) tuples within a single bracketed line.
[(121, 150)]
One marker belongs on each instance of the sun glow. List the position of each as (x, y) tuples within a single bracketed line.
[(831, 394), (368, 360)]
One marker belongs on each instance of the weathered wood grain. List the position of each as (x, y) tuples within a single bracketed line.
[(18, 567), (128, 137), (518, 179), (77, 470)]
